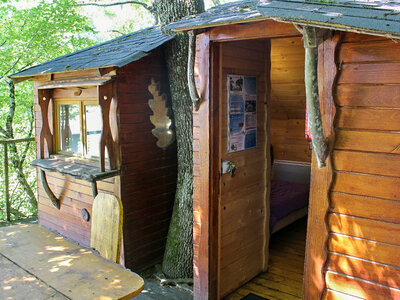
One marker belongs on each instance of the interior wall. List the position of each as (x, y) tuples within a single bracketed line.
[(364, 257), (243, 226), (288, 100)]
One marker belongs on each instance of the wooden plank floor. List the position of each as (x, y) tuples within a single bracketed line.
[(33, 257), (284, 278)]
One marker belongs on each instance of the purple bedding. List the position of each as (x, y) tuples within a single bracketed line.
[(286, 197)]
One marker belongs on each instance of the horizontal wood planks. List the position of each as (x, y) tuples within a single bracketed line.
[(252, 30), (148, 173), (243, 204), (74, 194), (288, 100), (363, 220)]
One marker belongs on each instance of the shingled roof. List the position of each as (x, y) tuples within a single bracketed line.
[(114, 53), (372, 17), (229, 13)]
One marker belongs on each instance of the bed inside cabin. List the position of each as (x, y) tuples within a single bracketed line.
[(290, 150), (269, 190)]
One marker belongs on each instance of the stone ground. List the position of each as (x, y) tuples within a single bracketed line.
[(154, 291)]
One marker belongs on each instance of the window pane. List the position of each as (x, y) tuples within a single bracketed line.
[(94, 126), (70, 128)]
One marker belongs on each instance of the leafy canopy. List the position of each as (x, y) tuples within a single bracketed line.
[(33, 35)]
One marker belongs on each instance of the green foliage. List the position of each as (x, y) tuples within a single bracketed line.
[(30, 36), (18, 197)]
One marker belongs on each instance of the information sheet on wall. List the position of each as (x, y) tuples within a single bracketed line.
[(242, 112)]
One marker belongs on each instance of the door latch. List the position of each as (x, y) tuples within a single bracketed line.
[(229, 167)]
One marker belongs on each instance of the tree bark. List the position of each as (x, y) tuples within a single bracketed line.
[(312, 95), (14, 157), (178, 256)]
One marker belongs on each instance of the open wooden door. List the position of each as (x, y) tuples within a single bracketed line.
[(243, 195)]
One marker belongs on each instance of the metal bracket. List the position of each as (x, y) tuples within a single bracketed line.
[(228, 167), (52, 197), (94, 189)]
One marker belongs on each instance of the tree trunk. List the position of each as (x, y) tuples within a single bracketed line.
[(178, 256), (14, 157)]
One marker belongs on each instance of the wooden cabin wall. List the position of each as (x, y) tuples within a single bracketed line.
[(243, 225), (364, 218), (74, 194), (148, 173), (288, 100)]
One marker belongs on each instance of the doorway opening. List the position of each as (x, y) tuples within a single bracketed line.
[(263, 204)]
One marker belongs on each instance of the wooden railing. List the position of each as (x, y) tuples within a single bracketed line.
[(5, 144)]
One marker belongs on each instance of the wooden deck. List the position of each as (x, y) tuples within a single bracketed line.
[(37, 262), (284, 278)]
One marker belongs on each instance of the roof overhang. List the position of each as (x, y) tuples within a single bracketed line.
[(75, 83), (115, 53), (380, 20), (375, 18)]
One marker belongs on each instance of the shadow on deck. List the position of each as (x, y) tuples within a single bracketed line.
[(284, 278)]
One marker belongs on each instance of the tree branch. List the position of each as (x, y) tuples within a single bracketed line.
[(4, 133), (149, 8), (12, 67), (190, 71), (11, 109), (26, 148)]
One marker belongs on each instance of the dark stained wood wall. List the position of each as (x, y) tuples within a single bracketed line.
[(74, 194), (288, 100), (364, 222), (148, 173)]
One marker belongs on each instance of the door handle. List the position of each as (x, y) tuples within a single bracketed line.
[(228, 167)]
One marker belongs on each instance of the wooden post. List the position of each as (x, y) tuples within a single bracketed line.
[(105, 94), (6, 187), (44, 97)]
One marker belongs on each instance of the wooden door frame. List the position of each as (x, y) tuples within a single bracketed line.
[(215, 167), (216, 71), (210, 150)]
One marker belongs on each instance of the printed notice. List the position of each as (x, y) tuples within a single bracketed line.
[(242, 112)]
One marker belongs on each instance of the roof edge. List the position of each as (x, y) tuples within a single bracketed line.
[(297, 22), (233, 22)]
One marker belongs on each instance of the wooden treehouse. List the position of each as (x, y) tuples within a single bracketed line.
[(103, 125), (253, 163)]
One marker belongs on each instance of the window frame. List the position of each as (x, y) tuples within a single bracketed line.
[(82, 119)]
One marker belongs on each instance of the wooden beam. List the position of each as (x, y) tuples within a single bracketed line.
[(201, 149), (254, 30), (49, 193), (214, 134), (44, 98), (106, 96), (321, 179)]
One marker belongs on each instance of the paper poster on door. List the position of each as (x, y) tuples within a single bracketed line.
[(242, 112)]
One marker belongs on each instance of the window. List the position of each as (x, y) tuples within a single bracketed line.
[(78, 127)]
